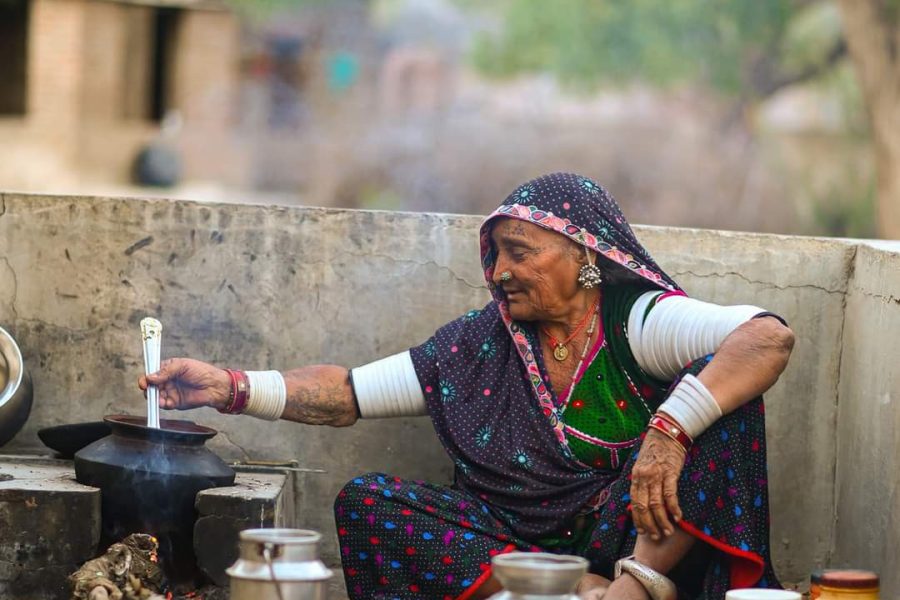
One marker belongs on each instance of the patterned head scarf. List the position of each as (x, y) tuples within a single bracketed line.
[(584, 212)]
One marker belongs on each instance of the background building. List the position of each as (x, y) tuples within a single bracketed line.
[(86, 84)]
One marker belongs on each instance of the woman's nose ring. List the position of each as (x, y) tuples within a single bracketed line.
[(505, 276)]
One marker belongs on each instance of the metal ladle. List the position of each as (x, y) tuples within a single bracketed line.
[(151, 332)]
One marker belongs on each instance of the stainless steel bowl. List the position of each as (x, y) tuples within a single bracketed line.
[(538, 573), (15, 388)]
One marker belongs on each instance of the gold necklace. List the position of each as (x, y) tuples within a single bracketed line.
[(560, 352), (584, 351)]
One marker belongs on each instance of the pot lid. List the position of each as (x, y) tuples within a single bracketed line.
[(170, 430)]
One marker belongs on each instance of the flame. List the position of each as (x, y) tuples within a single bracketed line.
[(154, 557)]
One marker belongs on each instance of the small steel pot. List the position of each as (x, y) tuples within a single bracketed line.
[(16, 393), (534, 575), (279, 564)]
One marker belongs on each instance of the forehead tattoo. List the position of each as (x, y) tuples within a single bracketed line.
[(513, 228), (518, 228), (516, 232)]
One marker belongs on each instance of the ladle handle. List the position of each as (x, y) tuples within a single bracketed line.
[(151, 333)]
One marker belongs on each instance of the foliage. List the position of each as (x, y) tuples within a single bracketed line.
[(892, 11), (735, 46), (811, 32)]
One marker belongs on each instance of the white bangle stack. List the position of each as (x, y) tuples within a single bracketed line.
[(268, 395), (388, 388), (678, 329), (692, 406)]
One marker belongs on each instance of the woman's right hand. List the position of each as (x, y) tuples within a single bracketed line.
[(185, 383), (592, 587)]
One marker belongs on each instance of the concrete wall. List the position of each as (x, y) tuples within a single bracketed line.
[(805, 280), (272, 287), (868, 424)]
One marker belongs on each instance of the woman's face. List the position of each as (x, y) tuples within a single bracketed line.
[(544, 268)]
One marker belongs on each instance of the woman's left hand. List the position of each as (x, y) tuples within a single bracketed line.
[(654, 485)]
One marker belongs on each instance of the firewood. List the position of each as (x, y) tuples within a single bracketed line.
[(98, 593), (126, 571)]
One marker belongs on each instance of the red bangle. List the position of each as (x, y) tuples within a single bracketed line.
[(660, 423), (240, 391), (232, 392)]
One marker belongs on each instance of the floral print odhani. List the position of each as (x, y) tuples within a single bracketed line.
[(533, 474)]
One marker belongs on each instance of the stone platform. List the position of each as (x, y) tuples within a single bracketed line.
[(258, 499), (50, 524)]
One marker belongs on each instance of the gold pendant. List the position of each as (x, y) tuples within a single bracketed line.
[(560, 353)]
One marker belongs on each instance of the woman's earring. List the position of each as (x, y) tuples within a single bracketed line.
[(590, 275)]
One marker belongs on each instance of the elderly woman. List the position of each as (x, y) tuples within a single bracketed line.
[(590, 408)]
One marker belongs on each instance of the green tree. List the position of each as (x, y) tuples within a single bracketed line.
[(749, 49), (741, 48)]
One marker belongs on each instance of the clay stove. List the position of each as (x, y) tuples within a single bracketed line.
[(50, 524)]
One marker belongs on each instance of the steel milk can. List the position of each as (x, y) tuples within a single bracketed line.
[(279, 564)]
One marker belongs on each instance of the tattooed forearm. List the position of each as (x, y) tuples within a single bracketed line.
[(748, 362), (319, 395)]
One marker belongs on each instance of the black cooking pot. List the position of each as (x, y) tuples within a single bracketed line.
[(70, 438), (149, 479)]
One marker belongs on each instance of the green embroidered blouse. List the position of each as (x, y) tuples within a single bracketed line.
[(613, 400)]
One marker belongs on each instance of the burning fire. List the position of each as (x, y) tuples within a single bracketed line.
[(195, 595), (171, 594)]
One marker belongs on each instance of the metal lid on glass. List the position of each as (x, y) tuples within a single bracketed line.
[(845, 578)]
